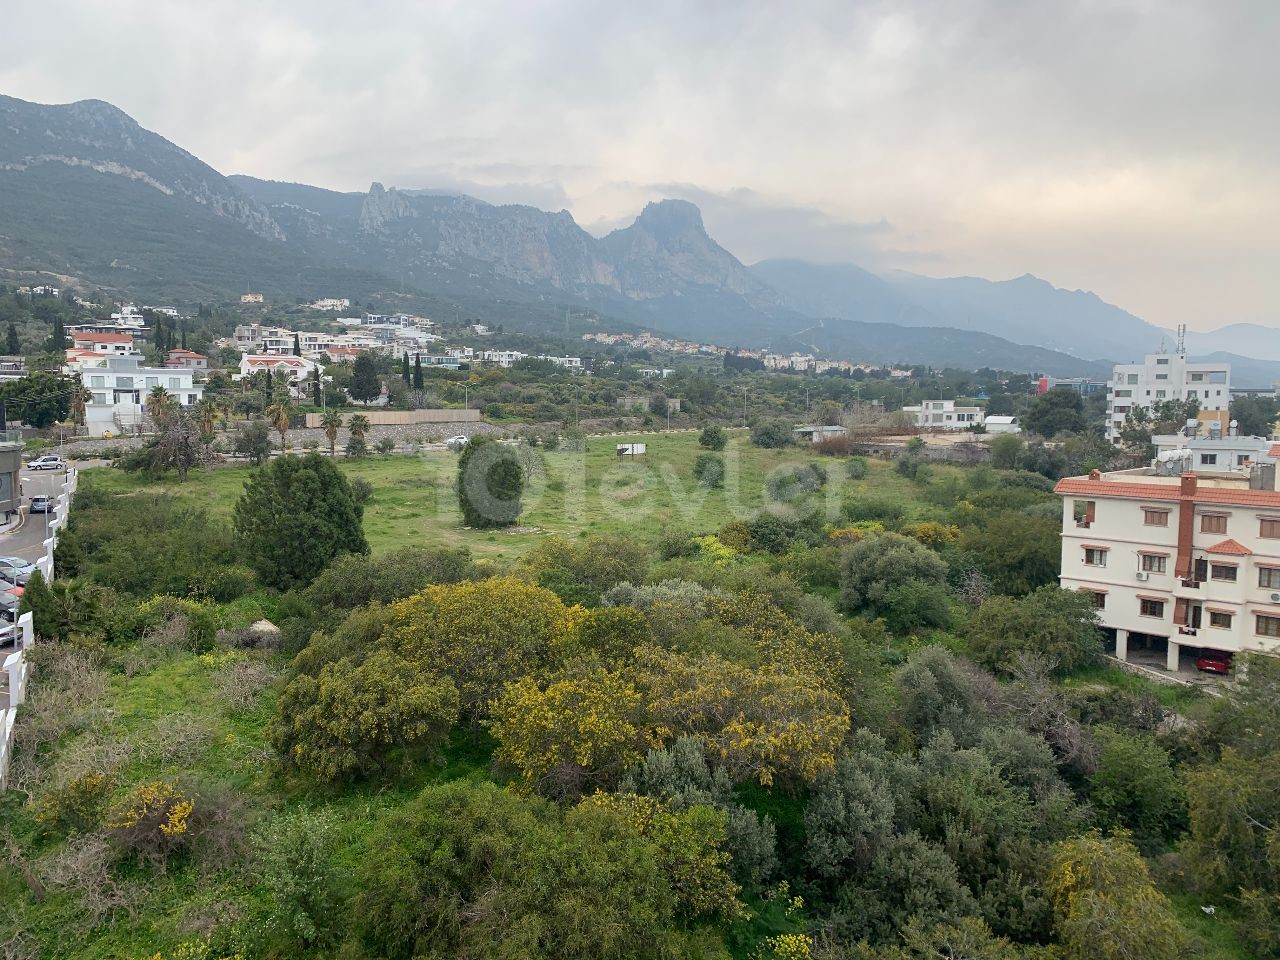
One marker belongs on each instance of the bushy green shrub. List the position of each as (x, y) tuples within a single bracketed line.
[(708, 470), (713, 438), (772, 434)]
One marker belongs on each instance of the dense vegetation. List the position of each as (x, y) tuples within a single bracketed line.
[(860, 722)]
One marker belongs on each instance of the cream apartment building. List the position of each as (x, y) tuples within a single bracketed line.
[(1168, 376), (1177, 563)]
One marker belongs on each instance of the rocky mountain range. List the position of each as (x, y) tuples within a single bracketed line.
[(88, 195)]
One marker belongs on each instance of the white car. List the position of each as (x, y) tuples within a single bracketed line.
[(457, 443), (16, 570), (47, 462)]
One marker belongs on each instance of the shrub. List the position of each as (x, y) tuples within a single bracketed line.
[(856, 468), (713, 438), (1136, 786), (872, 568), (490, 484), (385, 446), (860, 509), (708, 470), (837, 446), (349, 719), (361, 490), (296, 867), (787, 484), (153, 823), (1061, 625), (356, 448), (79, 804), (772, 434), (583, 572)]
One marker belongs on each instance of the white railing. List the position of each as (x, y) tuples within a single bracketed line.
[(15, 669)]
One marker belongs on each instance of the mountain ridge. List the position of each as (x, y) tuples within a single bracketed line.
[(87, 192)]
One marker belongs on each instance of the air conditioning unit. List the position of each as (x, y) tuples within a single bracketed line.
[(1275, 598), (1142, 575)]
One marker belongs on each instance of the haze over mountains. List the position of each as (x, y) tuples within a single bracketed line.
[(88, 194)]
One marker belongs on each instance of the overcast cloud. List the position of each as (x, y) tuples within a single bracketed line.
[(1130, 147)]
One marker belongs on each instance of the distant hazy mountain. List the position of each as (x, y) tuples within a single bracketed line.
[(1244, 339), (88, 194)]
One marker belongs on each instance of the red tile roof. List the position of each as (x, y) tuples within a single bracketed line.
[(1274, 451), (1125, 490), (180, 352), (1230, 547)]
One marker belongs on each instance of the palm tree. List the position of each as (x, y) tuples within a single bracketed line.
[(207, 415), (358, 425), (278, 414), (224, 411), (159, 405), (80, 398), (331, 422)]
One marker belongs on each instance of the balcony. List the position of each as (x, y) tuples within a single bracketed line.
[(1188, 631), (1190, 583)]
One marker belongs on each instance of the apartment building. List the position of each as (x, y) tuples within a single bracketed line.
[(1180, 563), (944, 415), (1168, 376)]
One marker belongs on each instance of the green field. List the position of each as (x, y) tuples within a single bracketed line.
[(570, 494)]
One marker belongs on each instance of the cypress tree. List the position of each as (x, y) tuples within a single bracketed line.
[(417, 371), (12, 344), (404, 369)]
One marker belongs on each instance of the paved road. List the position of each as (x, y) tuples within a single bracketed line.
[(27, 539)]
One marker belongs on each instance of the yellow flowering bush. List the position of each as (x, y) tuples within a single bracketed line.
[(713, 551), (78, 804), (571, 734), (153, 822), (786, 946), (931, 533)]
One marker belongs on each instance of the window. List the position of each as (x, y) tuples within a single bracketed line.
[(1095, 557), (1160, 394), (1222, 571), (1270, 529), (1155, 518), (1132, 378), (1192, 395), (175, 381), (153, 382), (1268, 626), (1151, 608), (1269, 578), (1213, 523), (1124, 393), (1219, 619), (1208, 459), (97, 381), (1162, 376), (1241, 459), (1197, 377), (1162, 362), (1153, 563), (1082, 510)]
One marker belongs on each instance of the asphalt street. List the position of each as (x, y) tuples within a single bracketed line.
[(27, 539)]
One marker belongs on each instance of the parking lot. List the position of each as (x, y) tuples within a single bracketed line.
[(26, 538)]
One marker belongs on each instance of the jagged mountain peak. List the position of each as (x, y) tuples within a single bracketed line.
[(671, 217)]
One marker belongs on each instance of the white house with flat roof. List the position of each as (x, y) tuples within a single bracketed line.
[(944, 415), (118, 387)]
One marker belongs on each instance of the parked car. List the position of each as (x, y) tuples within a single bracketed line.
[(47, 462), (1213, 661), (41, 505), (457, 443), (16, 570)]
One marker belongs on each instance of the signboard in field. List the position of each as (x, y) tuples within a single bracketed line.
[(630, 450)]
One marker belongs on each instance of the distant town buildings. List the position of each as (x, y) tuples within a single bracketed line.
[(186, 359), (251, 298), (119, 385), (1081, 385), (331, 303)]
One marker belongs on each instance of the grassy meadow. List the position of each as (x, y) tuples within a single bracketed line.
[(570, 494)]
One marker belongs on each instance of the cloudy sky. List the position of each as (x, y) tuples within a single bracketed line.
[(1129, 147)]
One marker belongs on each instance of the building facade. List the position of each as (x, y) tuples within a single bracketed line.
[(944, 415), (118, 388), (1178, 563), (1167, 376)]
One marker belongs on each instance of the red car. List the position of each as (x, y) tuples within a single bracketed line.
[(1213, 662)]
